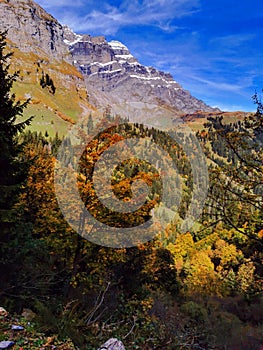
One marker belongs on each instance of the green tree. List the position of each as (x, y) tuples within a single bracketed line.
[(236, 191), (12, 167), (236, 183)]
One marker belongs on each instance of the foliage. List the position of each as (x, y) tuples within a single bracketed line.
[(197, 290), (15, 242), (11, 174)]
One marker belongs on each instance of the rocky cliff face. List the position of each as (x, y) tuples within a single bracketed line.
[(32, 28), (113, 76)]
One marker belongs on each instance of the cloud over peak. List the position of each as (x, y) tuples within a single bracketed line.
[(106, 18)]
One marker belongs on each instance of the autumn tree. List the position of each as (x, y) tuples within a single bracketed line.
[(236, 192)]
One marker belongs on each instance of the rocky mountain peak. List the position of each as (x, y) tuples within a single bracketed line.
[(114, 76), (121, 52), (31, 28)]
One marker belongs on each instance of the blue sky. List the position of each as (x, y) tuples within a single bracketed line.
[(213, 48)]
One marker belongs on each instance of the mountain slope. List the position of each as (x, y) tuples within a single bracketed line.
[(113, 76), (56, 88), (63, 73)]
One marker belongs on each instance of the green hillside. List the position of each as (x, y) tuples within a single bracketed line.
[(61, 99)]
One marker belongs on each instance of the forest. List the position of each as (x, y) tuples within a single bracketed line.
[(199, 289)]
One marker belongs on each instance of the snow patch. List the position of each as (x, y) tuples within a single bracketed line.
[(110, 71), (124, 56), (117, 45), (102, 64), (71, 43), (152, 78)]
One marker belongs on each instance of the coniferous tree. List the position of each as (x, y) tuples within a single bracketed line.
[(12, 168)]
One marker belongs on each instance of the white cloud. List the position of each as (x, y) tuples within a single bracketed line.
[(232, 41), (221, 86), (58, 4), (102, 18), (233, 107)]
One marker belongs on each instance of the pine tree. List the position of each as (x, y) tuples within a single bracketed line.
[(11, 168)]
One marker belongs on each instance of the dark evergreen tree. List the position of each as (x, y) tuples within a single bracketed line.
[(12, 168)]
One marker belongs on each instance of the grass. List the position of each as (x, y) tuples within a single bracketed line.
[(53, 112)]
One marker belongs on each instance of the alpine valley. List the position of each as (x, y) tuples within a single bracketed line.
[(154, 243)]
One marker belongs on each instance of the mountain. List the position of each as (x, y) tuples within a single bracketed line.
[(68, 75), (114, 76)]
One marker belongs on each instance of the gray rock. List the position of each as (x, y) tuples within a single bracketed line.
[(6, 344), (15, 327), (112, 344), (33, 29)]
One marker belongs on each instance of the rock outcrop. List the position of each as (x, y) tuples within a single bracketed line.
[(112, 344), (33, 29)]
